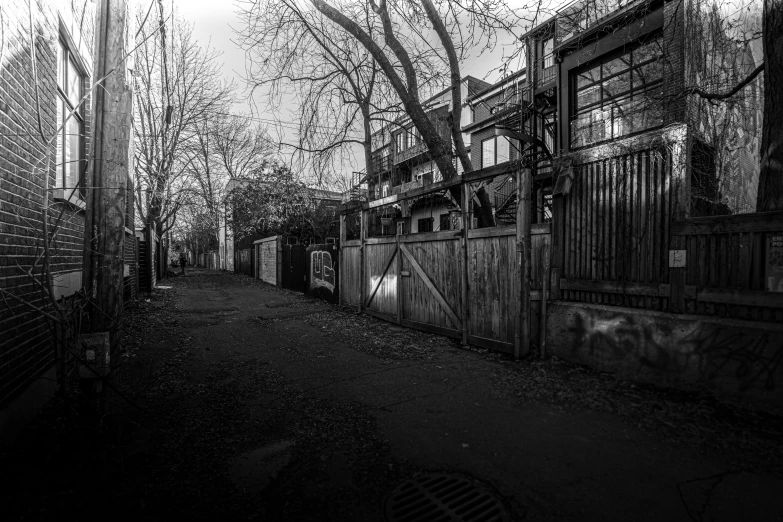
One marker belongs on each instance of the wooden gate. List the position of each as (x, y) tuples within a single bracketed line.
[(430, 287), (493, 285), (380, 278), (419, 281)]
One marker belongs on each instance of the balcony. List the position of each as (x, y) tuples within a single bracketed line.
[(381, 164), (421, 181), (546, 71), (409, 153)]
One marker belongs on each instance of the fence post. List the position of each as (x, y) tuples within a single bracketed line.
[(399, 281), (522, 337), (362, 237), (340, 260), (465, 268), (279, 261), (677, 277), (544, 292)]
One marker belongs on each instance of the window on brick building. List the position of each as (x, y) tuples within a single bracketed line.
[(618, 97), (71, 160)]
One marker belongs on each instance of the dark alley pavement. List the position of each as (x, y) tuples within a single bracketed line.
[(253, 409)]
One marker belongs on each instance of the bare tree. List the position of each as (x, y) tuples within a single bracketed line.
[(455, 24), (207, 179), (240, 147), (296, 52), (178, 87)]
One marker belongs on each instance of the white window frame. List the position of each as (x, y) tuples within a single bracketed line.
[(68, 63), (401, 141)]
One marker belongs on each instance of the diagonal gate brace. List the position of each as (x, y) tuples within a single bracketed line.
[(432, 288)]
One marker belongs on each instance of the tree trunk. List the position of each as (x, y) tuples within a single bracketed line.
[(367, 145), (486, 217), (770, 194), (407, 90)]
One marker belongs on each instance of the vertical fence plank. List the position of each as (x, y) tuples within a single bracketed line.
[(591, 228)]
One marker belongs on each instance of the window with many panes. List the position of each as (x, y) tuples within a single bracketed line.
[(71, 162), (497, 150), (618, 97)]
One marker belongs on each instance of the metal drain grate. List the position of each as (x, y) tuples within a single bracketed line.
[(443, 497)]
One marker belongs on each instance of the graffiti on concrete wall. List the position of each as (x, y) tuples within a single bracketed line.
[(754, 359), (693, 350), (321, 271)]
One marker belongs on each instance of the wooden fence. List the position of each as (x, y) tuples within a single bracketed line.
[(619, 236), (420, 281), (615, 233), (619, 241), (725, 261)]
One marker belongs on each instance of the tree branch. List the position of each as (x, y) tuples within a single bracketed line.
[(712, 96)]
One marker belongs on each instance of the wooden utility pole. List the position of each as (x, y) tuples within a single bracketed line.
[(109, 165), (522, 337)]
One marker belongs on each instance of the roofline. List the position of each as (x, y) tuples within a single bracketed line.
[(497, 84), (537, 27), (403, 120)]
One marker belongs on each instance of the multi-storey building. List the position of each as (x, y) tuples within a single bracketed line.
[(501, 106), (607, 74), (401, 162)]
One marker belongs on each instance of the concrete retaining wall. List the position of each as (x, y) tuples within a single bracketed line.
[(725, 355)]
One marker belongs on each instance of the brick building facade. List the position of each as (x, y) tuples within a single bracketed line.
[(46, 62)]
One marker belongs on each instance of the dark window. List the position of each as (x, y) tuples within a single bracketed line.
[(70, 139), (544, 205), (425, 225), (618, 97), (445, 221), (707, 198)]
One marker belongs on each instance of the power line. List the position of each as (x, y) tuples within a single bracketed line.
[(290, 124)]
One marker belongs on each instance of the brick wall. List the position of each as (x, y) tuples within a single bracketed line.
[(25, 342)]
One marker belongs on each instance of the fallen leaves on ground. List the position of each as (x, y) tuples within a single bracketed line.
[(376, 337)]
